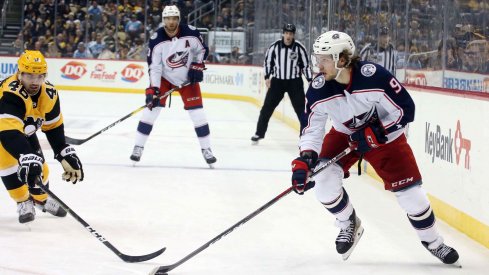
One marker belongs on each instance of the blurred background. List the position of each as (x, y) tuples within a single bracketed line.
[(429, 35)]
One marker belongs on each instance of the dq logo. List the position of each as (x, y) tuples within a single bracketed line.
[(132, 72), (416, 79), (73, 70)]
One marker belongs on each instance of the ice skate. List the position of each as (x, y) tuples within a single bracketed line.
[(51, 206), (350, 233), (445, 253), (137, 152), (26, 211), (255, 139), (209, 157)]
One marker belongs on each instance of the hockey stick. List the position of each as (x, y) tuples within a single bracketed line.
[(124, 257), (161, 270), (75, 141)]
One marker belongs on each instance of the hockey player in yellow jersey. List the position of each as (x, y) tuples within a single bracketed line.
[(28, 102)]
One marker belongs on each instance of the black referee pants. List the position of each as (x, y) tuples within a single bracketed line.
[(278, 88)]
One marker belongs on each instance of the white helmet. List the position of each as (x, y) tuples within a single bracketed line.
[(169, 11), (334, 43)]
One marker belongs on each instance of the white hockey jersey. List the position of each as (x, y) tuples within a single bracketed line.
[(372, 92), (170, 58)]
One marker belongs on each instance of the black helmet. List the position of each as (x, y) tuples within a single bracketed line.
[(289, 28), (384, 31)]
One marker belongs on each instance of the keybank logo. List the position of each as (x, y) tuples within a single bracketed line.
[(441, 144)]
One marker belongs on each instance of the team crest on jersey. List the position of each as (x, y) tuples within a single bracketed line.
[(31, 125), (318, 82), (361, 120), (368, 70), (178, 59), (293, 56), (154, 35)]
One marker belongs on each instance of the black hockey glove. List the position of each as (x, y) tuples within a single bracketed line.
[(368, 138), (301, 167), (196, 72), (30, 168), (152, 99), (71, 164)]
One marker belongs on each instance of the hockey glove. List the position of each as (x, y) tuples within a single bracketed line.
[(71, 164), (30, 168), (300, 171), (368, 138), (152, 99), (196, 72)]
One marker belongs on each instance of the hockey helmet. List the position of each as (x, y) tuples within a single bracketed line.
[(170, 10), (289, 28), (334, 43), (32, 62)]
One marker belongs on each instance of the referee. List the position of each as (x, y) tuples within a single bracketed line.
[(285, 61), (382, 53)]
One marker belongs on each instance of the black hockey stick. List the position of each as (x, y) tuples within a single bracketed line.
[(75, 141), (124, 257), (161, 270)]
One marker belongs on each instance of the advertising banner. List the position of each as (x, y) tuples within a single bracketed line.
[(225, 41), (451, 80)]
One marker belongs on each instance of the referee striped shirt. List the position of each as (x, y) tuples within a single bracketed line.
[(384, 57), (287, 62)]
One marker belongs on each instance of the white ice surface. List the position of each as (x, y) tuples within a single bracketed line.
[(172, 199)]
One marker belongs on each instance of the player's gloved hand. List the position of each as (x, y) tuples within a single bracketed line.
[(30, 168), (368, 138), (301, 167), (196, 72), (71, 164), (152, 99)]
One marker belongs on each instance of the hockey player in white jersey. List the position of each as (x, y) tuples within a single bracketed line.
[(176, 55), (369, 109)]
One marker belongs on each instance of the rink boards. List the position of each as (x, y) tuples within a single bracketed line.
[(449, 135)]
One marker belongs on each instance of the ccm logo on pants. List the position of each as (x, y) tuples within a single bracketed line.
[(402, 182)]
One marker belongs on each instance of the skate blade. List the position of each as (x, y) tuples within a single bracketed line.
[(357, 238), (457, 264), (28, 225), (211, 165), (254, 142)]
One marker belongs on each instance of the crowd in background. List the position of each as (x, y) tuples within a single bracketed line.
[(467, 43), (102, 29)]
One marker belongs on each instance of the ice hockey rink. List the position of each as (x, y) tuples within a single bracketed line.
[(172, 199)]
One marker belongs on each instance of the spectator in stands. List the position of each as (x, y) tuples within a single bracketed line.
[(17, 45), (234, 57), (96, 46), (137, 51), (133, 27), (475, 57), (52, 50), (107, 53), (82, 51), (69, 50), (213, 57), (60, 44), (123, 51), (95, 12), (453, 61)]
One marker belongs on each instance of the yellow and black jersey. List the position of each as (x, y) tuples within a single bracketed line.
[(21, 115)]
